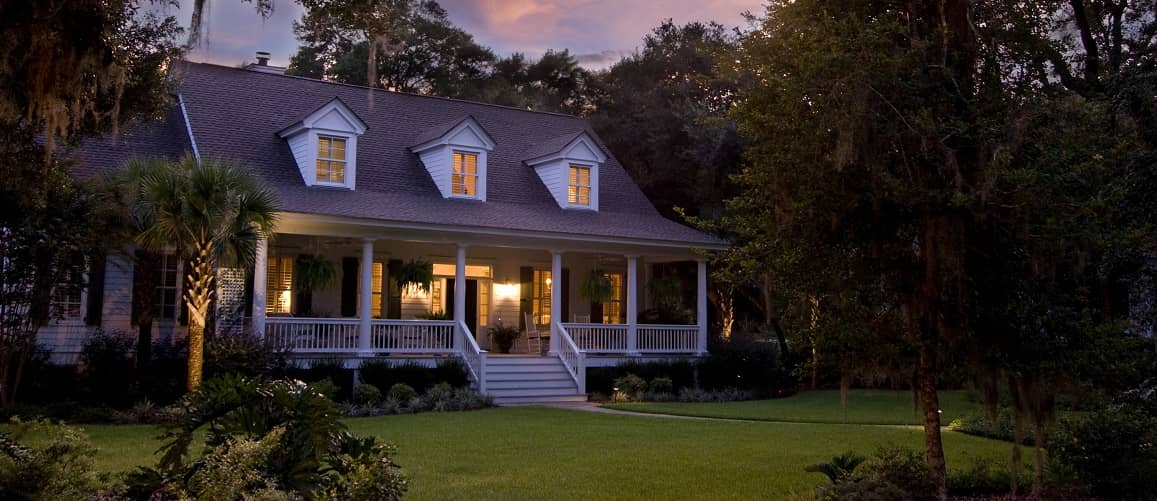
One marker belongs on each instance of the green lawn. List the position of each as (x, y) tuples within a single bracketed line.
[(864, 407), (539, 453)]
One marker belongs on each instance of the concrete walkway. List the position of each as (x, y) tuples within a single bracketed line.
[(595, 408)]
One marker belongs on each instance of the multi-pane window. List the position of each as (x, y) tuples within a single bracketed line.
[(376, 291), (169, 290), (472, 270), (436, 287), (579, 187), (331, 159), (464, 180), (483, 303), (613, 309), (279, 285), (68, 298), (540, 293)]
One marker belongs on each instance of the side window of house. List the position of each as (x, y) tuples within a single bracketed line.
[(464, 180), (613, 309), (376, 294), (541, 297), (279, 285), (170, 294), (68, 297), (579, 187)]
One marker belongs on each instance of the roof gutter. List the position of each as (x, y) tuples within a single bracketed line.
[(189, 128)]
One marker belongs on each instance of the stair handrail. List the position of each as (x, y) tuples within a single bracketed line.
[(472, 355), (572, 357)]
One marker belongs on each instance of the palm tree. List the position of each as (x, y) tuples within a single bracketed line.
[(210, 212)]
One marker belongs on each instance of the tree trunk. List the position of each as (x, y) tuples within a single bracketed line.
[(199, 298), (930, 405), (1017, 439), (1039, 434)]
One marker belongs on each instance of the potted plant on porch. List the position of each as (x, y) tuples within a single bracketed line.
[(503, 337), (598, 289), (312, 273)]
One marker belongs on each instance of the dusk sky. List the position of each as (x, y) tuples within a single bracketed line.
[(598, 32)]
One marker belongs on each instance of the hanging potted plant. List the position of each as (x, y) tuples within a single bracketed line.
[(597, 288), (312, 273), (416, 274)]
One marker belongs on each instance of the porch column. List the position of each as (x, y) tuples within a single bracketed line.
[(632, 305), (701, 306), (555, 299), (365, 306), (460, 293), (260, 274)]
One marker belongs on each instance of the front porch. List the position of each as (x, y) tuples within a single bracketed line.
[(479, 283)]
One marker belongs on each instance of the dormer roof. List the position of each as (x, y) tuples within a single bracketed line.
[(333, 115), (460, 131), (576, 146)]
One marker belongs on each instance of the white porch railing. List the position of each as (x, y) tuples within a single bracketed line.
[(313, 335), (649, 338), (669, 339), (601, 338), (472, 355), (572, 357), (412, 336)]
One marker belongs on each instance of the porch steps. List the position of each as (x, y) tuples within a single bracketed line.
[(530, 380)]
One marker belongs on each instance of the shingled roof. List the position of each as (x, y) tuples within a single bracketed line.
[(236, 114)]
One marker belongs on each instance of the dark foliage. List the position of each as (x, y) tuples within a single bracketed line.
[(385, 374), (332, 370), (106, 369)]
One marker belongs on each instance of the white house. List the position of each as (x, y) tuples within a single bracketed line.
[(513, 208)]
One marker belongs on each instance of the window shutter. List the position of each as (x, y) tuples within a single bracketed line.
[(95, 296), (394, 304), (565, 296), (349, 286), (248, 298), (596, 312), (526, 288), (302, 301)]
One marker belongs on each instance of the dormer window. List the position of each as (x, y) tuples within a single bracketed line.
[(454, 154), (569, 167), (464, 180), (579, 190), (331, 160), (325, 145)]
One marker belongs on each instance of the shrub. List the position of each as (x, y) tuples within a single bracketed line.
[(900, 467), (1112, 451), (267, 439), (984, 425), (451, 371), (60, 468), (753, 366), (661, 385), (721, 395), (367, 394), (384, 374), (981, 478), (402, 393), (680, 372), (628, 388), (243, 354), (163, 376), (106, 368), (321, 369), (863, 490)]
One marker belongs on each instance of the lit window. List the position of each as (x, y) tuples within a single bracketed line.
[(168, 289), (579, 190), (484, 303), (279, 285), (541, 297), (436, 287), (613, 309), (331, 160), (472, 270), (376, 293), (464, 180)]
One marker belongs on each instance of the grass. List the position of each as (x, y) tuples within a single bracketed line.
[(864, 407), (541, 453)]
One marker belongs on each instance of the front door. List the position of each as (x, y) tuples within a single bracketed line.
[(471, 302)]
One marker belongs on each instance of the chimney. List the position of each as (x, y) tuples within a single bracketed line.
[(262, 65)]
